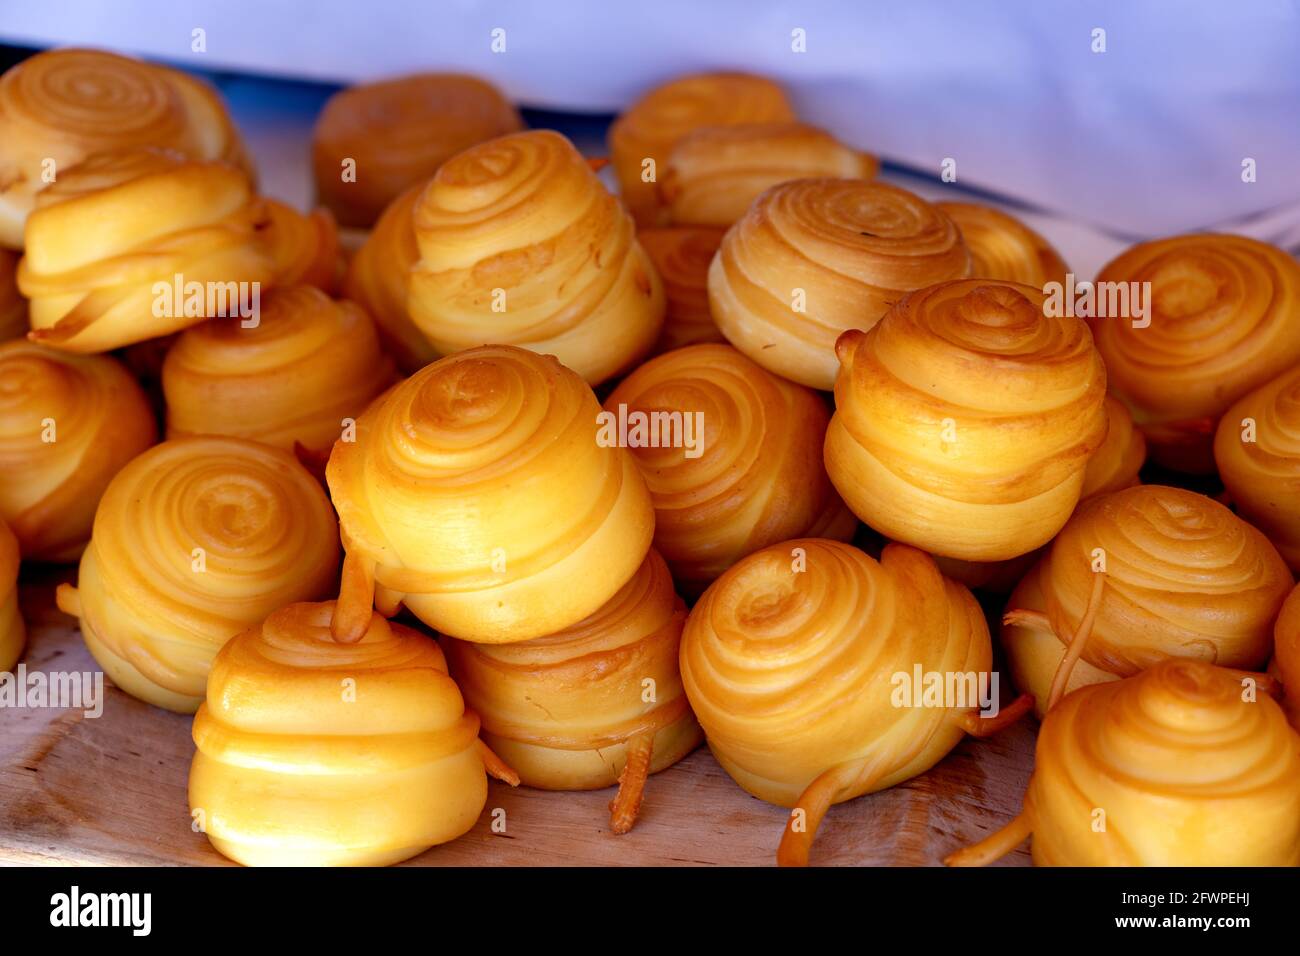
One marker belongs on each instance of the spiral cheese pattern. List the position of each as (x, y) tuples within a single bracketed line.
[(789, 661), (1186, 771), (1257, 450), (569, 711), (814, 257), (68, 423), (1184, 577), (1224, 319), (195, 540), (311, 752), (114, 236), (310, 365), (681, 255), (477, 494), (520, 244), (964, 420), (13, 633), (377, 279), (753, 473), (714, 173), (652, 125), (396, 133), (63, 106)]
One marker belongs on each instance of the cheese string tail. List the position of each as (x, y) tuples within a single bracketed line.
[(626, 804), (68, 599), (995, 846), (978, 725), (1021, 617), (352, 618), (796, 844), (998, 844), (818, 796), (1074, 649), (496, 767), (356, 600)]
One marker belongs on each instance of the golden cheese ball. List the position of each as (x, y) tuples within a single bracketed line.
[(477, 494), (375, 140), (308, 368), (1224, 318), (598, 703), (194, 541), (1257, 451), (714, 173), (61, 107), (642, 138), (732, 456), (126, 247), (965, 419), (1155, 572), (68, 423), (814, 257), (314, 753), (1179, 765), (520, 244), (791, 660)]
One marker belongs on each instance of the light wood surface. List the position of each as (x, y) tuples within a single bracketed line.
[(112, 791)]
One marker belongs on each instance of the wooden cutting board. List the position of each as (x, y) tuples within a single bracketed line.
[(112, 791)]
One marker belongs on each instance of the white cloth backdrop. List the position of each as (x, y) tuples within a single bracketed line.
[(1145, 139)]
